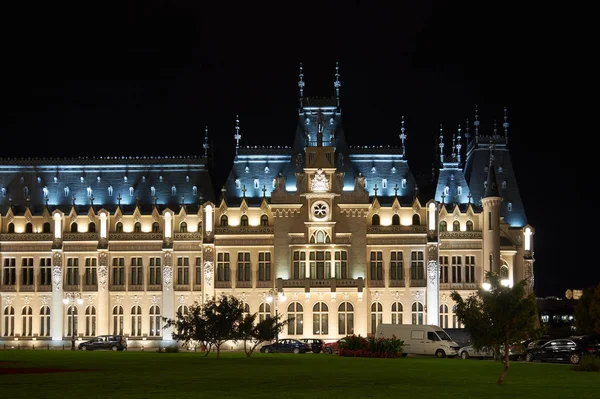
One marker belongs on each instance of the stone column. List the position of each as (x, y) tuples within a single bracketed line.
[(103, 314), (57, 306), (208, 282), (168, 295)]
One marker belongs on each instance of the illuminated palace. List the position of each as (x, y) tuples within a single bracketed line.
[(338, 237)]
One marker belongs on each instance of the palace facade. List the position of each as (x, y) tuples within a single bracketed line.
[(338, 237)]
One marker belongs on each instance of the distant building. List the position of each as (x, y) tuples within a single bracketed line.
[(344, 234), (557, 315)]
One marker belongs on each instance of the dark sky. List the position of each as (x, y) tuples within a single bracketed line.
[(144, 78)]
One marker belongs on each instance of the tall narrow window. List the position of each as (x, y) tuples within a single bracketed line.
[(244, 221), (243, 266), (72, 271), (416, 220), (397, 313), (443, 226), (443, 269), (29, 228), (375, 220), (320, 319), (444, 316), (456, 269), (91, 227), (137, 227), (396, 220), (183, 227), (417, 265), (469, 225), (376, 315), (489, 220), (118, 320), (27, 271), (223, 267), (264, 266), (155, 321), (46, 227), (264, 311), (136, 321), (11, 227), (9, 321), (198, 271), (155, 227), (417, 313), (341, 264), (299, 265), (119, 227), (90, 271), (27, 328), (469, 269), (455, 321), (295, 319), (264, 220), (45, 321), (456, 226), (396, 265), (45, 271), (346, 318), (90, 321), (74, 227), (183, 270), (137, 271), (224, 221), (118, 271), (72, 321), (376, 265), (9, 275), (155, 275)]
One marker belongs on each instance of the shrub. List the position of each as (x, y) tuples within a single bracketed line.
[(588, 363), (357, 346), (171, 348)]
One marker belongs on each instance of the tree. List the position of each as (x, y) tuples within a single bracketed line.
[(190, 327), (254, 334), (587, 312), (496, 317)]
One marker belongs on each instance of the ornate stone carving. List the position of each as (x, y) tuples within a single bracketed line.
[(26, 300), (376, 296), (168, 276), (182, 300), (8, 299), (345, 296), (244, 297), (118, 300), (89, 300), (154, 300), (208, 272), (319, 182), (320, 296), (57, 277), (432, 272), (294, 296), (135, 300), (417, 295), (443, 298), (396, 296), (45, 301), (102, 276)]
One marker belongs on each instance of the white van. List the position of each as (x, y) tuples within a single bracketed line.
[(420, 339)]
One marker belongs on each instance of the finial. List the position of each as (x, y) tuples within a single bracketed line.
[(46, 199), (155, 198), (183, 200), (453, 146), (396, 190), (458, 144), (27, 201), (469, 196), (375, 189), (337, 83), (223, 191), (301, 86), (476, 124), (237, 135), (505, 125), (73, 199), (467, 131), (403, 137), (443, 197), (264, 190), (441, 143), (205, 145), (495, 128), (244, 191), (137, 202), (119, 199), (92, 200)]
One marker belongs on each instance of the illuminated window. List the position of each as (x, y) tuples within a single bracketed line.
[(264, 220), (416, 220), (295, 319), (384, 183), (155, 321), (264, 311), (397, 313), (183, 227), (72, 321), (224, 221), (456, 226), (45, 321), (417, 265), (27, 316), (376, 315), (457, 269), (9, 321), (341, 264), (443, 269), (346, 318), (443, 226), (444, 316), (376, 265), (396, 265), (375, 220), (320, 319), (244, 221), (469, 225), (396, 220), (136, 321), (90, 321), (264, 266), (243, 266), (417, 313)]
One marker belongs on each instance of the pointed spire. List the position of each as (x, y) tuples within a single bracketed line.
[(205, 145), (237, 135), (119, 199), (467, 132), (396, 190), (244, 191), (453, 146), (505, 125), (46, 200), (137, 202), (155, 198), (264, 190), (491, 188), (301, 86), (92, 200), (337, 84), (441, 143), (476, 124), (73, 199), (458, 144), (223, 191), (495, 128), (375, 189), (403, 137)]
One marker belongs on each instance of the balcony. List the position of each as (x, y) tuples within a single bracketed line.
[(243, 284), (418, 283), (460, 235), (187, 237), (397, 283), (181, 287), (72, 287), (244, 230), (81, 236), (26, 237), (154, 287), (136, 236), (8, 288), (136, 287), (90, 287), (116, 287), (197, 287), (376, 283), (27, 288), (397, 229), (44, 288), (222, 284)]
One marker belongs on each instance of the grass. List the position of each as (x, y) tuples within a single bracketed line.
[(191, 375)]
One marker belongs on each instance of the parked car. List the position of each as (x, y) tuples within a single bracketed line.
[(108, 342), (561, 350), (469, 351), (285, 346), (314, 344), (333, 347)]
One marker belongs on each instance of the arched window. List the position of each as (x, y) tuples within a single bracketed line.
[(416, 220), (503, 273), (346, 318), (375, 220), (27, 314), (46, 227), (417, 313), (29, 228), (11, 227), (137, 227), (224, 221), (183, 310), (183, 227), (244, 220), (45, 321), (155, 321), (90, 321), (456, 226), (376, 315), (246, 310), (396, 220), (74, 227), (443, 226), (155, 227), (136, 321), (91, 227), (320, 319), (320, 237), (469, 225), (264, 220), (444, 316), (9, 321), (118, 320), (397, 313), (455, 322), (295, 319), (264, 311), (119, 227), (72, 321)]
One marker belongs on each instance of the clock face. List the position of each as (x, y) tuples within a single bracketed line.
[(320, 209)]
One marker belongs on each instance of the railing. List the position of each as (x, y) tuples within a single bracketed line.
[(136, 287), (376, 283), (243, 284), (222, 284), (26, 237), (27, 288), (397, 283), (188, 236), (44, 288), (418, 283), (396, 229), (154, 287), (8, 288), (181, 287), (197, 287), (90, 287), (81, 236), (116, 287), (244, 230), (135, 236), (458, 235)]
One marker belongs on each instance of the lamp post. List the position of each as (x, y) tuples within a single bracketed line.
[(70, 299), (276, 296)]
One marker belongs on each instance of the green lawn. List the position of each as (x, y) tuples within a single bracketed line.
[(192, 375)]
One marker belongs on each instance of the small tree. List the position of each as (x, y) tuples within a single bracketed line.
[(222, 317), (587, 312), (190, 327), (494, 318), (255, 334)]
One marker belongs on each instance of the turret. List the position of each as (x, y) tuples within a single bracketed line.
[(491, 202)]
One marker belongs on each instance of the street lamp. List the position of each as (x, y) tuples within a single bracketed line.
[(70, 299), (275, 296)]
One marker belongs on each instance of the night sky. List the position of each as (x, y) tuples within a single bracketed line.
[(144, 78)]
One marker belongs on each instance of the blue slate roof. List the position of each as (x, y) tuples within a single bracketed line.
[(176, 180)]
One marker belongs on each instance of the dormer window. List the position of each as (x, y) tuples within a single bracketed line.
[(98, 179), (274, 182), (173, 190), (81, 179), (187, 179), (384, 183), (373, 169), (393, 169), (403, 183), (66, 191), (45, 191), (256, 183), (131, 191), (504, 183), (125, 179), (267, 169), (451, 176), (459, 190), (152, 191), (89, 191), (195, 190), (55, 179), (160, 179), (238, 184), (247, 169), (143, 179), (446, 190), (110, 191), (509, 206), (39, 179)]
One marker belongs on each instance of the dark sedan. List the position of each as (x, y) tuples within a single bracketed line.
[(315, 344), (561, 350), (286, 346)]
